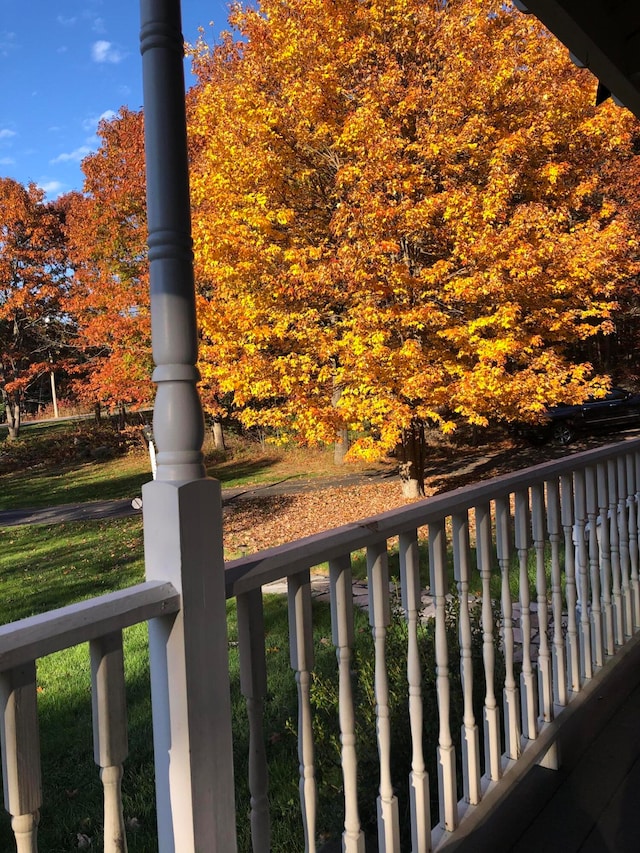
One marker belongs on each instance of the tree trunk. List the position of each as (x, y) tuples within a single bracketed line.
[(54, 394), (12, 410), (412, 466), (122, 417), (341, 446), (218, 435), (97, 413)]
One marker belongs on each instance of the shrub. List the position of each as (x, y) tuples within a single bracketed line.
[(63, 445)]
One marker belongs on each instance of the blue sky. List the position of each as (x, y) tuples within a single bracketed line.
[(63, 66)]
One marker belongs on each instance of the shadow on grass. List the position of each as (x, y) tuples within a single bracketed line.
[(81, 482), (72, 792), (31, 429), (234, 470), (47, 566)]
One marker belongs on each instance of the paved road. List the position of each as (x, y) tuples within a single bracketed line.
[(123, 508), (67, 512)]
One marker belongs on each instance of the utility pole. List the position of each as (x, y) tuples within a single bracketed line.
[(54, 396)]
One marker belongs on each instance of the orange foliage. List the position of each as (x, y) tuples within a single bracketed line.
[(107, 233), (33, 287)]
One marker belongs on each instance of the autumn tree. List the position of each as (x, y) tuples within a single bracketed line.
[(401, 218), (107, 233), (616, 353), (34, 321)]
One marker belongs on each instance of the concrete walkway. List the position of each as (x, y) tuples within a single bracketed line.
[(67, 512), (320, 591)]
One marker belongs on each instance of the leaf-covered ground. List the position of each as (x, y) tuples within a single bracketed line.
[(257, 523), (252, 524)]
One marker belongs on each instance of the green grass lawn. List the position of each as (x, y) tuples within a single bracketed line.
[(41, 469), (46, 566), (74, 483)]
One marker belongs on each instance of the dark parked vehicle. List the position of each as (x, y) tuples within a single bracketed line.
[(617, 410)]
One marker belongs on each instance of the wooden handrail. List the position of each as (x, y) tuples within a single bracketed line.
[(36, 636)]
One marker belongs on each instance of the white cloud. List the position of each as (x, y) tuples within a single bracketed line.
[(7, 161), (90, 123), (52, 188), (5, 133), (94, 20), (66, 22), (72, 156), (105, 51), (7, 43)]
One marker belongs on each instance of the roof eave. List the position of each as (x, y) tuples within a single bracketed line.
[(603, 37)]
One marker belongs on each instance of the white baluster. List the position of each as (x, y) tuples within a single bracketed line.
[(545, 687), (470, 737), (636, 462), (342, 634), (253, 686), (446, 751), (379, 617), (558, 651), (527, 677), (418, 778), (597, 640), (110, 746), (573, 644), (302, 660), (25, 828), (605, 558), (633, 539), (623, 533), (511, 694), (492, 764), (21, 754), (582, 574), (614, 545)]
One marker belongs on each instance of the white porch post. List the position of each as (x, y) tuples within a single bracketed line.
[(182, 508)]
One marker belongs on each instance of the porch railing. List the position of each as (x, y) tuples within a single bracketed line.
[(559, 541), (552, 554)]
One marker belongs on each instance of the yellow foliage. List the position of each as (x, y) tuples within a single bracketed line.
[(400, 213)]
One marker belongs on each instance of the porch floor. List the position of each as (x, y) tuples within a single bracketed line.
[(591, 804)]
